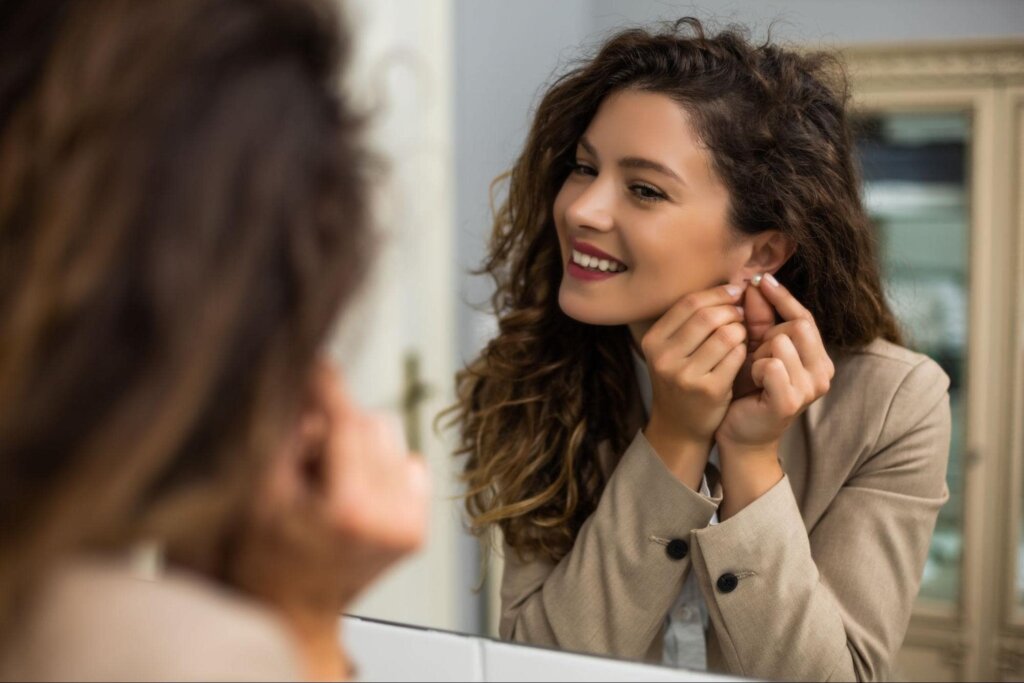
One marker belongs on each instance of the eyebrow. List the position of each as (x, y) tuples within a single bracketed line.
[(636, 162)]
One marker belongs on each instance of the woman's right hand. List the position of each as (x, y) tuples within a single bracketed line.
[(375, 494), (694, 353), (343, 501)]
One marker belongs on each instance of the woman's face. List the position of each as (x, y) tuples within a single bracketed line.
[(641, 219)]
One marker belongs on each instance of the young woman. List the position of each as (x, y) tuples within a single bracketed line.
[(183, 214), (696, 428)]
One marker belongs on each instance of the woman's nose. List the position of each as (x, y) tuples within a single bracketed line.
[(592, 208)]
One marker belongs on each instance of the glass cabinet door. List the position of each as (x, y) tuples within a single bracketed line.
[(916, 192)]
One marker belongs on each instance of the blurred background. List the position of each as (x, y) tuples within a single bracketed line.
[(939, 95)]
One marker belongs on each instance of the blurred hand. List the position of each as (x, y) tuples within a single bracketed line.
[(343, 502), (374, 495)]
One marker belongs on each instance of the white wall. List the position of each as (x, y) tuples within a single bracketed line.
[(402, 72)]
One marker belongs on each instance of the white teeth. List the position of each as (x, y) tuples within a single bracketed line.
[(595, 263)]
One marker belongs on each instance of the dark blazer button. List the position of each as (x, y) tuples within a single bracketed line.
[(727, 582), (677, 548)]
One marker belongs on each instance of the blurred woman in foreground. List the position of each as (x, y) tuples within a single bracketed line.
[(183, 215)]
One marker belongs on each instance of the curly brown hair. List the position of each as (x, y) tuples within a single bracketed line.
[(533, 407), (182, 217)]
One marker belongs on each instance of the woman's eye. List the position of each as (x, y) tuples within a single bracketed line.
[(583, 169), (646, 193)]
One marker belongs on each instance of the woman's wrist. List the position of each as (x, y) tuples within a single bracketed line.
[(683, 455), (748, 472)]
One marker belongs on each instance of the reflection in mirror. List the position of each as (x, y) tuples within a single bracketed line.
[(698, 404), (505, 56)]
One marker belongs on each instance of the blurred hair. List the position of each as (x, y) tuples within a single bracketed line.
[(543, 394), (182, 217)]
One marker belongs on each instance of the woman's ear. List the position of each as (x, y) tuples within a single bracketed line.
[(770, 251), (293, 473)]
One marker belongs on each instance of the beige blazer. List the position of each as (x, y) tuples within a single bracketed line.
[(820, 573), (96, 621)]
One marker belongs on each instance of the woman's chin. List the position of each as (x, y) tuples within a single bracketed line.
[(590, 312)]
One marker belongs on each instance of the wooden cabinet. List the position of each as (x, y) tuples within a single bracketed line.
[(941, 136)]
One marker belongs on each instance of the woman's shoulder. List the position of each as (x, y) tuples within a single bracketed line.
[(885, 421), (96, 619), (879, 393), (883, 368)]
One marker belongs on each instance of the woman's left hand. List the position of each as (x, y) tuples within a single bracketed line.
[(790, 370)]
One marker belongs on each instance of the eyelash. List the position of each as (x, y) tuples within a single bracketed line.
[(582, 169), (654, 195)]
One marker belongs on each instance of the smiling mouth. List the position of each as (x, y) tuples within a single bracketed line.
[(595, 264)]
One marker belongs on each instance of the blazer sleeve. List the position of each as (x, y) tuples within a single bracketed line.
[(834, 603), (611, 593)]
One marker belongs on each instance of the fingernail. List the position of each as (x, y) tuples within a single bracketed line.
[(734, 290), (742, 312), (771, 279)]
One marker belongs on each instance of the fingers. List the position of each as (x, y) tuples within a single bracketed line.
[(713, 350), (704, 326), (725, 372), (328, 390), (684, 309), (760, 316), (784, 350), (801, 386), (761, 302), (781, 298), (354, 504), (374, 491), (810, 347), (771, 375)]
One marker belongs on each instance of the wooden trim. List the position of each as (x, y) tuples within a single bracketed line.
[(998, 349), (937, 64), (1012, 613)]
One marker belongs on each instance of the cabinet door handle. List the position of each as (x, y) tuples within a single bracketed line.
[(972, 458), (414, 392)]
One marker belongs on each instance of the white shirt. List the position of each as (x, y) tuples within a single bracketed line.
[(684, 644)]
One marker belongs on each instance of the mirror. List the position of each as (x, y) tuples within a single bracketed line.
[(454, 84)]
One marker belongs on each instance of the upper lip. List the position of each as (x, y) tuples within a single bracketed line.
[(591, 250)]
